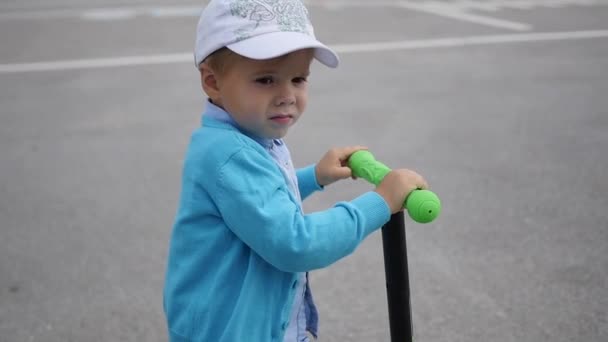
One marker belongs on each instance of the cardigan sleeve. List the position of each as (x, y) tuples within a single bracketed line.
[(307, 181), (256, 205)]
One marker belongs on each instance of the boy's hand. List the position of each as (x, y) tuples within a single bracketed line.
[(397, 185), (333, 166)]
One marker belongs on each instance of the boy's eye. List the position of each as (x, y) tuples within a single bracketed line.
[(264, 80), (299, 80)]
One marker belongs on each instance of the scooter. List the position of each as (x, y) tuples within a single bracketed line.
[(423, 206)]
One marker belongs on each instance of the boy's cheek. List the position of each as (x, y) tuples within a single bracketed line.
[(303, 102)]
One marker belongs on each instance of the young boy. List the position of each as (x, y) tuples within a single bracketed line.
[(241, 246)]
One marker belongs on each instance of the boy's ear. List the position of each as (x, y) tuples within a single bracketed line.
[(209, 81)]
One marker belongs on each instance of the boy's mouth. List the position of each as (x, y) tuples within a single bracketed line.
[(282, 118)]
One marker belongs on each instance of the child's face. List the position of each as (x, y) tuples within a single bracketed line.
[(265, 97)]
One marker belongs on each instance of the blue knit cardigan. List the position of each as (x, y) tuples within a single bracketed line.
[(240, 238)]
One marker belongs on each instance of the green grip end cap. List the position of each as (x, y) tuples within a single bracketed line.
[(423, 206)]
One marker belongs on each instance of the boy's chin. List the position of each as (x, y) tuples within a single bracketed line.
[(276, 135)]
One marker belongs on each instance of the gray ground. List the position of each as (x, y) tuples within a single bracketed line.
[(512, 136)]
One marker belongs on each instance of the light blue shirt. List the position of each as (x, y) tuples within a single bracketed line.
[(296, 331)]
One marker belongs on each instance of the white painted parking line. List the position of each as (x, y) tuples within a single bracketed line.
[(97, 63), (109, 14), (39, 14), (128, 13), (341, 48), (176, 12), (452, 8), (450, 11), (494, 5), (470, 40)]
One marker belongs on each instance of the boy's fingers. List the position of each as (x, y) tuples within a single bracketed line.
[(344, 172), (422, 184), (345, 152)]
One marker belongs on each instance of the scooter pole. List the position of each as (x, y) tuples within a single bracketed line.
[(397, 279), (423, 206)]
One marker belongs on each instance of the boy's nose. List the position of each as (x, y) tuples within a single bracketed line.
[(286, 97), (285, 100)]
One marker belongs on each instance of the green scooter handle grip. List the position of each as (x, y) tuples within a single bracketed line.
[(423, 206)]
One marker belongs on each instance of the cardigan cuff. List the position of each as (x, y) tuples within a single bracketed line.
[(307, 181), (377, 211)]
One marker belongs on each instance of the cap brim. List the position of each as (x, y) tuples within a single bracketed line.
[(275, 44)]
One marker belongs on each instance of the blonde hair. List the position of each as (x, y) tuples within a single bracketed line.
[(220, 60)]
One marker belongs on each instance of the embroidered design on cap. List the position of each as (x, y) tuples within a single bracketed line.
[(288, 15)]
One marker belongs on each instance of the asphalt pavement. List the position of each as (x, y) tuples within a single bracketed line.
[(501, 105)]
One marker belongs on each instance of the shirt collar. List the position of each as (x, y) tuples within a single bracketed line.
[(218, 113)]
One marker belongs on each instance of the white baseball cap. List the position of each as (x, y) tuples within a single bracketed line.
[(258, 29)]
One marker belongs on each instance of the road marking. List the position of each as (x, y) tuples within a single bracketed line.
[(495, 5), (160, 12), (39, 14), (470, 40), (97, 63), (450, 11), (109, 14), (127, 12), (340, 48)]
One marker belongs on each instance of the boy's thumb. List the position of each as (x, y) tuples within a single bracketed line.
[(344, 172)]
